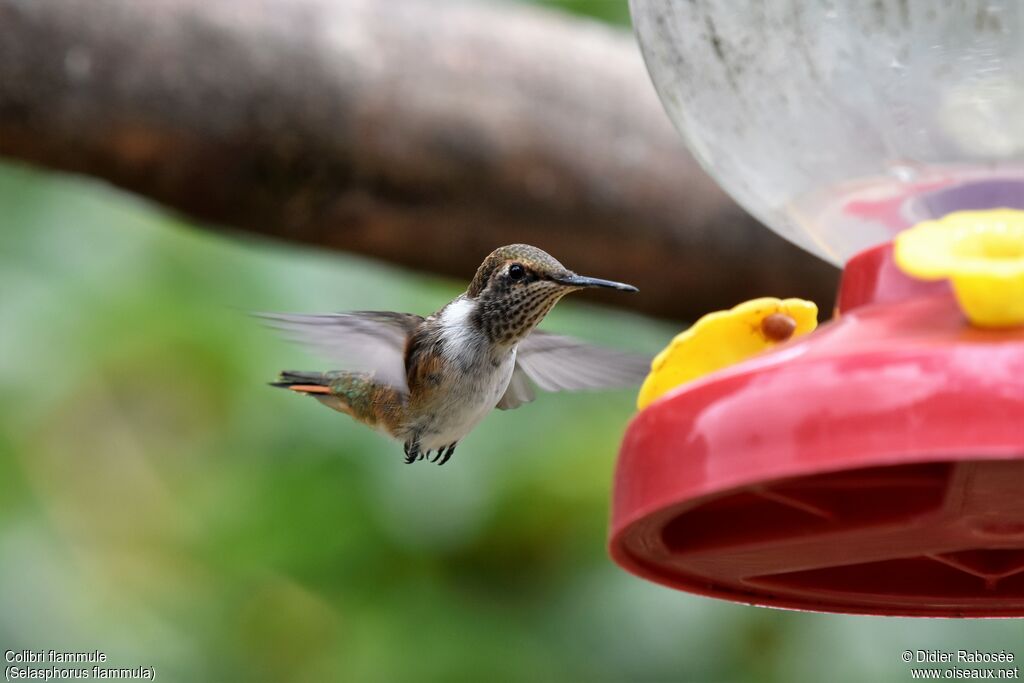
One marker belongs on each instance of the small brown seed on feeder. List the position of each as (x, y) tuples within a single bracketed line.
[(778, 327)]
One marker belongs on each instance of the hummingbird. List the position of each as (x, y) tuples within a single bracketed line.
[(428, 381)]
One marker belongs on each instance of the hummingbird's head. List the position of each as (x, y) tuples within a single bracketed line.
[(516, 286)]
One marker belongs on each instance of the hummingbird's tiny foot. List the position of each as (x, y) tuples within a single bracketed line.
[(424, 455), (447, 454), (412, 453)]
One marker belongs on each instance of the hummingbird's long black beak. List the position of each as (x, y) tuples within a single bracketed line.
[(574, 280)]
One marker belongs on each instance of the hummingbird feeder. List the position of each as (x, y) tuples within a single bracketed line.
[(874, 465)]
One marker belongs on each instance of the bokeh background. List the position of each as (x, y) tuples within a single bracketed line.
[(160, 503)]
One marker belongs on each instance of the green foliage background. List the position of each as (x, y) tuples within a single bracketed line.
[(159, 503)]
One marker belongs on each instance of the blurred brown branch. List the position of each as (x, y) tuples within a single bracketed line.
[(423, 133)]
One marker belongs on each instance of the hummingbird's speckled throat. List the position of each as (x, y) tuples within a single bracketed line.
[(429, 381)]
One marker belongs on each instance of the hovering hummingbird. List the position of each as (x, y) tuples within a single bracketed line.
[(429, 381)]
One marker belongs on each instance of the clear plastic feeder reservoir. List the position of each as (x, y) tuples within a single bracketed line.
[(875, 465)]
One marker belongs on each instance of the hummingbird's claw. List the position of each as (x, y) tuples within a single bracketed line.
[(412, 452), (447, 454)]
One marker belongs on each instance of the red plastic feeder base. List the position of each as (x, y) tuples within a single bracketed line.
[(875, 466)]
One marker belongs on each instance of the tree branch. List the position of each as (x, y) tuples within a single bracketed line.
[(423, 133)]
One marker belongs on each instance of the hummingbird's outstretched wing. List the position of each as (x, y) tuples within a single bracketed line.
[(360, 341), (557, 363)]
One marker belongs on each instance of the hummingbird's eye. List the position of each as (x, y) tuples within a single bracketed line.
[(516, 271)]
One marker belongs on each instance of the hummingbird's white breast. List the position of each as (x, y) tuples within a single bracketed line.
[(475, 376)]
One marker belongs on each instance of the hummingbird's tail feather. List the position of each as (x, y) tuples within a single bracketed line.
[(355, 394), (314, 384), (304, 382)]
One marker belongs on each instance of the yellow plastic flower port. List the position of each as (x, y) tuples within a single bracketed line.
[(723, 338), (981, 253)]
